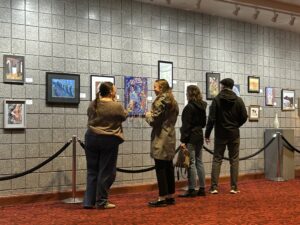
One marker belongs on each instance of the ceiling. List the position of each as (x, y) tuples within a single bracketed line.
[(286, 10)]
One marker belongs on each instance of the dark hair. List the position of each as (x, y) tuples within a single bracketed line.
[(106, 88), (194, 93), (227, 83), (165, 88)]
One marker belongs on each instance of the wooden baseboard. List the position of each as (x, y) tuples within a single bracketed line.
[(59, 196)]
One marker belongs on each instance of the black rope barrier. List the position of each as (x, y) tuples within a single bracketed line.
[(289, 145), (246, 157), (38, 166)]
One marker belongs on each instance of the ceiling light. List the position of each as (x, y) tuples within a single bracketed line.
[(274, 19), (236, 11), (255, 15), (292, 21)]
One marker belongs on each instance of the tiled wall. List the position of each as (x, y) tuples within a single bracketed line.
[(119, 38)]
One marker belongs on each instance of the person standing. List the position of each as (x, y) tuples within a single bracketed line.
[(193, 120), (162, 119), (102, 140), (227, 114)]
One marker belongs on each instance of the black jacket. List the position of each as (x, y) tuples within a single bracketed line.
[(227, 113), (193, 120)]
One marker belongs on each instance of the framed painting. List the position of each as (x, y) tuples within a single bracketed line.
[(253, 84), (254, 112), (14, 114), (269, 96), (62, 88), (135, 92), (13, 71), (212, 85), (165, 71), (96, 81), (287, 100), (236, 89)]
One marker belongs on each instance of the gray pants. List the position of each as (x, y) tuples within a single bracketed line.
[(233, 152)]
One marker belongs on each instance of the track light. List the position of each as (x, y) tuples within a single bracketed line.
[(292, 21), (255, 15), (274, 18), (236, 11)]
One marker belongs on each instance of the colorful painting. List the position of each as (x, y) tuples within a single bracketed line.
[(62, 88), (253, 84), (135, 92), (14, 114), (212, 85)]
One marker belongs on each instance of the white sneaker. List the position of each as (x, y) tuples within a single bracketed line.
[(213, 191), (107, 205), (233, 191)]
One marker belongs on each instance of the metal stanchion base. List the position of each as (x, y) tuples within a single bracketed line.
[(72, 200), (278, 179)]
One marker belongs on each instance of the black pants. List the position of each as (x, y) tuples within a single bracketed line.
[(101, 156), (165, 176)]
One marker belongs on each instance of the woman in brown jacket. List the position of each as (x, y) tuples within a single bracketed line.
[(162, 119)]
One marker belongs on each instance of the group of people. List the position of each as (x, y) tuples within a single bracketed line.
[(104, 135)]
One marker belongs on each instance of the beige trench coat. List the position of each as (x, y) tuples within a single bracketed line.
[(162, 120)]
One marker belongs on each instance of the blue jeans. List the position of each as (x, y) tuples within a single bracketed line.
[(101, 156), (196, 166)]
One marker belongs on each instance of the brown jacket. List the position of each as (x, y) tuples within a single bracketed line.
[(162, 120)]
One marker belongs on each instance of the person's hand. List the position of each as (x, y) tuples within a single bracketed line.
[(182, 145), (148, 114), (207, 141)]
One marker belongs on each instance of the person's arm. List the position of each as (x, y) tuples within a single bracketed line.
[(122, 112), (243, 113), (155, 115), (211, 121), (187, 124)]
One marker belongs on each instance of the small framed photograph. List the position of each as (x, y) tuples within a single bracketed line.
[(14, 114), (254, 112), (287, 100), (269, 96), (62, 88), (165, 71), (212, 85), (253, 84), (236, 89), (96, 81), (13, 71)]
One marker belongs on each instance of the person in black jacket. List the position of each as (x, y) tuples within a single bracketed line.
[(227, 113), (193, 120)]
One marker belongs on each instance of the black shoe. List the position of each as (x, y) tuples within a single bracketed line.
[(188, 194), (170, 201), (201, 192), (88, 207), (158, 203)]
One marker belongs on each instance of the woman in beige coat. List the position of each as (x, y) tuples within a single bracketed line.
[(162, 119)]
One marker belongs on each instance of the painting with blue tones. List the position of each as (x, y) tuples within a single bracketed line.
[(135, 91), (62, 88)]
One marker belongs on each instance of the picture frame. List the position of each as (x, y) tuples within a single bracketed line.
[(62, 88), (14, 67), (212, 85), (95, 82), (253, 84), (14, 114), (165, 71), (135, 95), (269, 96), (287, 100), (237, 89), (254, 113)]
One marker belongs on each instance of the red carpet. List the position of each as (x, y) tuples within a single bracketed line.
[(259, 202)]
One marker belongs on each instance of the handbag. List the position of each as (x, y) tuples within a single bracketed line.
[(183, 157)]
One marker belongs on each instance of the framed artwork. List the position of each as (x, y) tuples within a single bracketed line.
[(236, 89), (13, 71), (269, 96), (135, 92), (212, 85), (254, 112), (287, 100), (165, 71), (253, 84), (62, 88), (14, 114), (96, 81), (186, 84)]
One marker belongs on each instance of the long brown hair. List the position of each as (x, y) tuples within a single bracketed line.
[(194, 93), (165, 89)]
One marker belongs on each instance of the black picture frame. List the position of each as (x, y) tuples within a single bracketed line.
[(287, 100), (95, 82), (62, 88), (254, 113), (253, 84), (165, 71), (212, 85), (13, 69)]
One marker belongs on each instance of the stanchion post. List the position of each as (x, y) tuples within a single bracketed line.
[(279, 157), (73, 199)]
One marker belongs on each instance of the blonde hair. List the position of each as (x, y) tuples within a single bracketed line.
[(165, 89)]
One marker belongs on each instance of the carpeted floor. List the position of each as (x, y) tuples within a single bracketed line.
[(259, 202)]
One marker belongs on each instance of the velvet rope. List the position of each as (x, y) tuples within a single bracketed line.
[(289, 145)]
